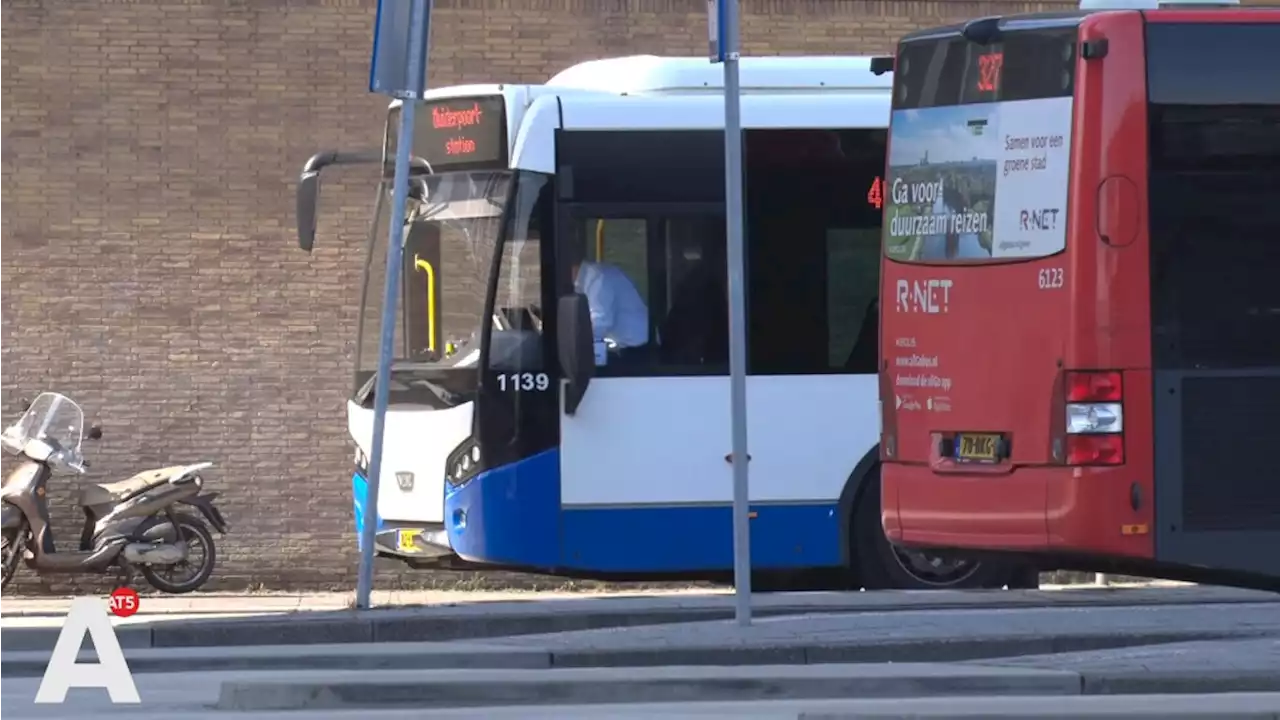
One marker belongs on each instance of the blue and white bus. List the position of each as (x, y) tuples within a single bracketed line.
[(513, 440)]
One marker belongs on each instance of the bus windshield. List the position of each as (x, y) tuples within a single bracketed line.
[(452, 226), (979, 147)]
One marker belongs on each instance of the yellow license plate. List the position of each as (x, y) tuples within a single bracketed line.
[(977, 447), (406, 540)]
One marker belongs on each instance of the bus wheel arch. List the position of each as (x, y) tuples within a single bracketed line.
[(874, 563), (867, 469)]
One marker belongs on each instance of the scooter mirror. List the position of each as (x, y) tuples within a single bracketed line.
[(94, 433)]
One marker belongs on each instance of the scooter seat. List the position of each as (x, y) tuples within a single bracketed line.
[(101, 493)]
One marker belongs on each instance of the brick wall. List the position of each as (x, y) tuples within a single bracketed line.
[(149, 268)]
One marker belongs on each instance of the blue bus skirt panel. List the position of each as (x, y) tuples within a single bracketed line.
[(508, 515), (512, 516), (359, 486)]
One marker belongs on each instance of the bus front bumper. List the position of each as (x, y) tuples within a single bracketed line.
[(426, 542)]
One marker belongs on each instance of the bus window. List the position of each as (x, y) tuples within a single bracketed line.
[(853, 284), (694, 332), (620, 246), (978, 166), (623, 243), (421, 305), (812, 250), (516, 342), (1215, 174)]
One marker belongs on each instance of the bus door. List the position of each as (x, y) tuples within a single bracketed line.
[(653, 427)]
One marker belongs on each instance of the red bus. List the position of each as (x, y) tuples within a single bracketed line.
[(1080, 325)]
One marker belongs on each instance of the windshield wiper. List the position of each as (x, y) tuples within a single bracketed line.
[(414, 382), (446, 396)]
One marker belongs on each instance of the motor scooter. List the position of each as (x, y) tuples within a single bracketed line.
[(136, 524)]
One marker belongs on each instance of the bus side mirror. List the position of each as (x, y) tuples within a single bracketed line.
[(577, 352), (308, 197)]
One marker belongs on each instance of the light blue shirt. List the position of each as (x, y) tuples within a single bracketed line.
[(618, 313)]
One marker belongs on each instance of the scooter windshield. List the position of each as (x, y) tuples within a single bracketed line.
[(53, 417)]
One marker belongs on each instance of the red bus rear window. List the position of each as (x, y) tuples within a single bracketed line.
[(979, 147)]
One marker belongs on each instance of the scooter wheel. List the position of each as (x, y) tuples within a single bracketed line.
[(10, 554), (186, 576)]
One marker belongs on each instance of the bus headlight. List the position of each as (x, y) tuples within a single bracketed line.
[(463, 463)]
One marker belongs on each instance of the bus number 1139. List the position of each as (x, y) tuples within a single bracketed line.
[(523, 382)]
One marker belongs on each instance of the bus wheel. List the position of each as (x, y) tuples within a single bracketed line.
[(1024, 577), (883, 566)]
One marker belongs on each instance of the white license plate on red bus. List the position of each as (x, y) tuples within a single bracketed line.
[(978, 447)]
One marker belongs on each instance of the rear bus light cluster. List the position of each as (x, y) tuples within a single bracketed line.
[(1095, 418)]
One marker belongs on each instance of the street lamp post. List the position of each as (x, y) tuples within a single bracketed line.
[(724, 49), (398, 69)]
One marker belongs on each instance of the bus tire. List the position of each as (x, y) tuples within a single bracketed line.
[(1024, 576), (881, 566)]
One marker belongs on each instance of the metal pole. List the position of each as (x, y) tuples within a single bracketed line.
[(737, 314), (386, 342)]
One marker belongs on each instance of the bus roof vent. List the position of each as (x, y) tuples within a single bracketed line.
[(1154, 4), (650, 74)]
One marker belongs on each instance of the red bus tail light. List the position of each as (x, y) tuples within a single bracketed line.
[(1095, 449), (1094, 387), (1094, 418)]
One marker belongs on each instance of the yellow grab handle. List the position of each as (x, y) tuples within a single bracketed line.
[(431, 299)]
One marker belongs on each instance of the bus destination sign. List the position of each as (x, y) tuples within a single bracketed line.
[(990, 68), (462, 132)]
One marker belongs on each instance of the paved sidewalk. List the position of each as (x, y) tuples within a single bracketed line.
[(922, 624), (249, 603), (483, 615), (906, 634), (532, 673), (463, 688), (237, 603), (1220, 666), (190, 697), (1217, 665), (223, 603), (1226, 706)]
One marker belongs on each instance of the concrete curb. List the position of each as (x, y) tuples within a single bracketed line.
[(395, 656), (336, 657), (157, 604), (1027, 715), (483, 688), (504, 619), (1153, 682), (1158, 714)]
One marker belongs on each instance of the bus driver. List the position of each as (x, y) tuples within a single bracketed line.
[(619, 317)]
